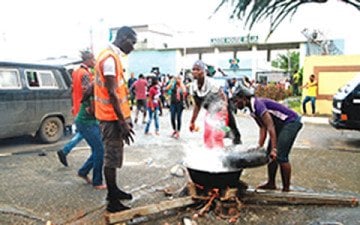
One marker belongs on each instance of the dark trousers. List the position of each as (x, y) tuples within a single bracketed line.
[(175, 115), (232, 122), (306, 100)]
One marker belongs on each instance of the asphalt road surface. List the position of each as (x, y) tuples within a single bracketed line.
[(36, 188)]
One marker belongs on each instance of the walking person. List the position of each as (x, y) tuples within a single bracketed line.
[(81, 79), (153, 106), (177, 98), (88, 127), (130, 82), (296, 83), (311, 92), (140, 89), (281, 123), (113, 111)]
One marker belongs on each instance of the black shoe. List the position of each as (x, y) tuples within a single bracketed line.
[(62, 157), (119, 195), (116, 206)]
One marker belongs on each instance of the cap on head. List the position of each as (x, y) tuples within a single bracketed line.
[(200, 64), (126, 39), (125, 32)]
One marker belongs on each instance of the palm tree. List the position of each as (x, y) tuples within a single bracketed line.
[(288, 62), (276, 10)]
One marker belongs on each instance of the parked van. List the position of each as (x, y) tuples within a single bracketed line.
[(346, 106), (34, 99)]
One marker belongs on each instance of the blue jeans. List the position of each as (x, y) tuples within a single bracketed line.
[(152, 115), (92, 135), (175, 115), (73, 142), (306, 100)]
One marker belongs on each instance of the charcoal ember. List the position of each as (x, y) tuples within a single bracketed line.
[(248, 158)]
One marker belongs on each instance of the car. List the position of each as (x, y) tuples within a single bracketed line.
[(346, 106), (35, 99)]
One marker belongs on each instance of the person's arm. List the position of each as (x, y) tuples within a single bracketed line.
[(88, 96), (222, 72), (182, 87), (151, 99), (170, 84), (111, 84), (195, 114), (270, 128), (262, 136), (304, 86), (88, 92), (85, 81)]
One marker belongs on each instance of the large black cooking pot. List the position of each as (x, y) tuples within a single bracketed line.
[(211, 180)]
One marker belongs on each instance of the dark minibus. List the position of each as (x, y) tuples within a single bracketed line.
[(35, 99)]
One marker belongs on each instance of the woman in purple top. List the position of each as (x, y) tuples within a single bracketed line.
[(283, 126)]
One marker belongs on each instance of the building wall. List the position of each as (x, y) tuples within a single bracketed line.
[(332, 72), (143, 60)]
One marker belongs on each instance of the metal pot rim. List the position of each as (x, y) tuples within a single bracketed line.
[(214, 172)]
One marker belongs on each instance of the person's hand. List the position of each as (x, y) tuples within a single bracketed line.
[(192, 127), (273, 154), (126, 132)]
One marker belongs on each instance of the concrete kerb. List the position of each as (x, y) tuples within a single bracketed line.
[(315, 120)]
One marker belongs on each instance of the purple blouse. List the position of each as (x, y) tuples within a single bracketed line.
[(283, 113)]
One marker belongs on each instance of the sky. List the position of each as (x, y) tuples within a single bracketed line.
[(37, 29)]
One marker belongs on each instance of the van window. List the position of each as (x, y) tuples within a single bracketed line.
[(9, 79), (41, 79)]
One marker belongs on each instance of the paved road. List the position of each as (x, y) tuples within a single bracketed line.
[(36, 188), (316, 132)]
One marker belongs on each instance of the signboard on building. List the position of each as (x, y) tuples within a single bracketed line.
[(249, 39)]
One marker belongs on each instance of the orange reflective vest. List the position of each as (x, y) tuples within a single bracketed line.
[(77, 87), (104, 110)]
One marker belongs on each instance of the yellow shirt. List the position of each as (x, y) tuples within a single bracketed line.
[(311, 89), (296, 78)]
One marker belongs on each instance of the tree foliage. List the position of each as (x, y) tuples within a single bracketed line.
[(288, 62), (254, 11)]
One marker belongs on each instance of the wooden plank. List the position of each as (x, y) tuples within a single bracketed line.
[(122, 216), (298, 198), (250, 196)]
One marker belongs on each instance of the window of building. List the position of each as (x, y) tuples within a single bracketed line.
[(41, 79), (9, 79)]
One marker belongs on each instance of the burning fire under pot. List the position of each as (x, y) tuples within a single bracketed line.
[(221, 191)]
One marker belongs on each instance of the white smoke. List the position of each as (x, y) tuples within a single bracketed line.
[(201, 158)]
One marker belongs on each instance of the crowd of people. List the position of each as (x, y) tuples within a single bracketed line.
[(103, 102)]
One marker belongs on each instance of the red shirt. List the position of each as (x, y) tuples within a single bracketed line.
[(140, 87), (154, 97)]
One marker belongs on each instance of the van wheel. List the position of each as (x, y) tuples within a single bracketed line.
[(51, 130)]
